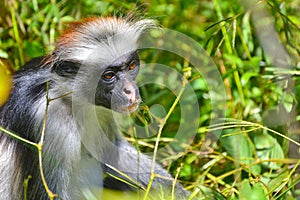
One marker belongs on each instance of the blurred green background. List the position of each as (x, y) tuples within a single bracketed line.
[(256, 47)]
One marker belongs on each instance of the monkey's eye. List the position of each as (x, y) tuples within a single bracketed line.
[(108, 75), (132, 65)]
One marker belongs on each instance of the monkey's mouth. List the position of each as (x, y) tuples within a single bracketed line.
[(131, 107)]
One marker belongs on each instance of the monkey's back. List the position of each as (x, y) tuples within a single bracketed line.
[(17, 159)]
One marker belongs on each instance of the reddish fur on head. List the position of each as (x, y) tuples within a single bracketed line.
[(84, 37), (70, 33)]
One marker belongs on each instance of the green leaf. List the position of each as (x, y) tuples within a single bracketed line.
[(239, 148), (3, 54), (246, 30), (288, 102), (253, 192), (276, 183), (268, 148), (199, 84), (233, 59), (246, 77), (206, 193)]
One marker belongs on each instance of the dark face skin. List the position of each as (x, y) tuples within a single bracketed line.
[(117, 89)]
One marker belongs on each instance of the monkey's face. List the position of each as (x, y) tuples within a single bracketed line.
[(117, 89), (91, 61)]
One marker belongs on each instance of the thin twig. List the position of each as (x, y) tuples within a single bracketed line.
[(162, 124), (51, 195)]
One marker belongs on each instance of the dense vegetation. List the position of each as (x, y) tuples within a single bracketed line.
[(246, 145)]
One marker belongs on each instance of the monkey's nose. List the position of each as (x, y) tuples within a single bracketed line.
[(129, 92)]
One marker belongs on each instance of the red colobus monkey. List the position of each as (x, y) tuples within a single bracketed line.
[(92, 68)]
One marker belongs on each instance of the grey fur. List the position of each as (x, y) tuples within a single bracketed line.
[(76, 147)]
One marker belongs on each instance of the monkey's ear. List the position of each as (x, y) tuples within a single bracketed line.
[(66, 69)]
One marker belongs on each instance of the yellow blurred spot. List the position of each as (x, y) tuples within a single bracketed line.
[(5, 82)]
